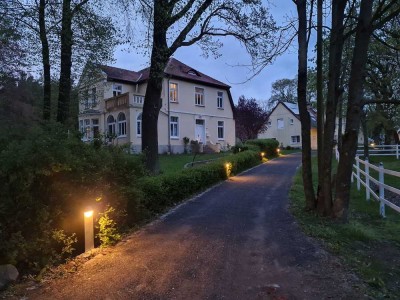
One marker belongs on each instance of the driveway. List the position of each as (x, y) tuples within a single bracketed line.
[(235, 241)]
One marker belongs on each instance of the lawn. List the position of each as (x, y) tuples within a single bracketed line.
[(368, 244), (175, 162)]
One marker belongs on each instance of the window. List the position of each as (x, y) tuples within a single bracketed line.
[(173, 92), (121, 125), (220, 130), (295, 139), (93, 96), (86, 97), (138, 99), (220, 99), (86, 134), (111, 125), (280, 123), (81, 127), (199, 96), (174, 128), (139, 125), (291, 121), (117, 89), (95, 128)]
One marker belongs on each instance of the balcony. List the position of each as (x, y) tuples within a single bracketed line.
[(124, 101), (118, 102)]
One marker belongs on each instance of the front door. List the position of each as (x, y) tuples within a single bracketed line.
[(200, 132)]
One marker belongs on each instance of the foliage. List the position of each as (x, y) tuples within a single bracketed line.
[(269, 146), (108, 228), (283, 90), (250, 119), (48, 177), (163, 191)]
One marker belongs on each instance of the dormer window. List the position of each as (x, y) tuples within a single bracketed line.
[(193, 73)]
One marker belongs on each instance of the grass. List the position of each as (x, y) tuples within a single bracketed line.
[(175, 162), (284, 151), (368, 244)]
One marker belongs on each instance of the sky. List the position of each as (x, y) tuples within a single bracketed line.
[(226, 68)]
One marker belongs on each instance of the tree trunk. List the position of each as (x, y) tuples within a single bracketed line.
[(356, 81), (320, 96), (365, 133), (335, 60), (64, 96), (152, 102), (303, 109), (45, 62)]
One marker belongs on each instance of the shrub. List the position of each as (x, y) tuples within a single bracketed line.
[(108, 229), (163, 191), (269, 146), (48, 178)]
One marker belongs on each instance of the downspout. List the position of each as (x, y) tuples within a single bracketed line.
[(169, 119)]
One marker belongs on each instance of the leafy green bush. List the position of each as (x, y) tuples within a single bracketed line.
[(48, 178), (269, 146), (160, 192), (108, 229)]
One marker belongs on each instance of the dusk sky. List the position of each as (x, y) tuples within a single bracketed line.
[(225, 68)]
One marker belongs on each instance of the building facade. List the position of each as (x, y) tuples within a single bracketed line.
[(194, 105), (284, 125)]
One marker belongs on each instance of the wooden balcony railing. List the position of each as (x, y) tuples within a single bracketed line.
[(117, 102)]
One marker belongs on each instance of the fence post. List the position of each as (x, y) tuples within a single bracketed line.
[(381, 191), (358, 171), (397, 151), (367, 192)]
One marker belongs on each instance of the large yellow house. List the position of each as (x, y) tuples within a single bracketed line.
[(284, 125), (194, 105)]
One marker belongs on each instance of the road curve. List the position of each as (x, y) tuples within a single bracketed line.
[(235, 241)]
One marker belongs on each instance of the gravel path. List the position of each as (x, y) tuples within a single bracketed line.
[(235, 241)]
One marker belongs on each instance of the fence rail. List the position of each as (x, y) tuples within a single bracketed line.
[(379, 182), (381, 150)]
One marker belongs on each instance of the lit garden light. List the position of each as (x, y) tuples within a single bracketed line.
[(89, 232), (278, 151), (262, 154), (228, 169)]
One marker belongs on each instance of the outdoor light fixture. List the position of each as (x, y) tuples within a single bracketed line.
[(89, 232), (228, 169), (278, 150)]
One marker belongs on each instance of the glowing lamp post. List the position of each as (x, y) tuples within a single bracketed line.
[(89, 234)]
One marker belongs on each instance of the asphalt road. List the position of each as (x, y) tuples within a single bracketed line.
[(235, 241)]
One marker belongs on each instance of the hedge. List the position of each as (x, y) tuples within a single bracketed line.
[(160, 192), (269, 146)]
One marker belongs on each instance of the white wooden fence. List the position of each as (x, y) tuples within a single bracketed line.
[(381, 150), (379, 182)]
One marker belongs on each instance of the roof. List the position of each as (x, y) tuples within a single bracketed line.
[(118, 74), (174, 69), (294, 109)]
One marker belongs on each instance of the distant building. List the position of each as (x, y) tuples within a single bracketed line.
[(194, 105), (284, 125)]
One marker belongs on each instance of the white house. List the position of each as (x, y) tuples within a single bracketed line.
[(194, 105), (284, 125)]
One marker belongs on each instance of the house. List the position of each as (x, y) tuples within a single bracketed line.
[(284, 125), (194, 105)]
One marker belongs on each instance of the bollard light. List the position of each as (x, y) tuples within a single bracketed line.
[(89, 232), (278, 151), (262, 154)]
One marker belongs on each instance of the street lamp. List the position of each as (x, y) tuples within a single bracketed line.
[(89, 234)]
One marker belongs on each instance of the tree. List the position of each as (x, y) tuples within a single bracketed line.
[(250, 118), (11, 54), (283, 90), (66, 34), (176, 24), (302, 103)]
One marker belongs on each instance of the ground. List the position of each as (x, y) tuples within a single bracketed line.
[(235, 241)]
